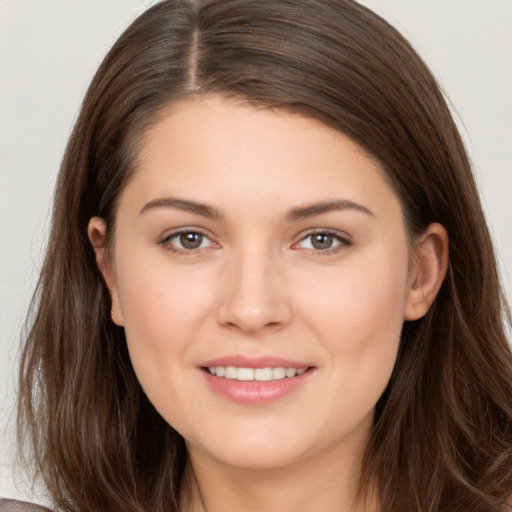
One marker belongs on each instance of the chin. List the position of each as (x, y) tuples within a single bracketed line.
[(273, 455), (265, 446)]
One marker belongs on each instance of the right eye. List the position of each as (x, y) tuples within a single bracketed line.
[(186, 241)]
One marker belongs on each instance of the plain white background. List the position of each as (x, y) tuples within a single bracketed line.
[(50, 50)]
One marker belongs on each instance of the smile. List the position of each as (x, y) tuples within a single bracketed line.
[(254, 374)]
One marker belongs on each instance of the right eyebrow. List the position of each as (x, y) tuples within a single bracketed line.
[(185, 205)]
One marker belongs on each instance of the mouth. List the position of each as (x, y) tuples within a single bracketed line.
[(266, 374), (256, 380)]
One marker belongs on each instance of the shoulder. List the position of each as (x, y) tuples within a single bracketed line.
[(20, 506)]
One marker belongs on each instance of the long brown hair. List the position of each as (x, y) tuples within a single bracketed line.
[(442, 438)]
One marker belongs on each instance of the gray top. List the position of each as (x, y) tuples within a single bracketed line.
[(20, 506)]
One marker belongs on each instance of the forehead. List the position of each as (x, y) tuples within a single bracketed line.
[(232, 153)]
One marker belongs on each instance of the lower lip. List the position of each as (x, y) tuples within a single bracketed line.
[(255, 392)]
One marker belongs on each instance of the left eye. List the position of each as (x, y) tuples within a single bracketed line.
[(188, 240), (322, 241)]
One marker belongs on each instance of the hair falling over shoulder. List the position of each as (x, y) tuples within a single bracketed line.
[(442, 437)]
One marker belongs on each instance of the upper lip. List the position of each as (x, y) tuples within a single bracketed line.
[(241, 361)]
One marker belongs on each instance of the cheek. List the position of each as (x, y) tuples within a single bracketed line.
[(365, 296), (359, 318), (162, 308), (162, 315)]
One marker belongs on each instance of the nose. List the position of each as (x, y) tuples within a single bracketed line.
[(254, 295)]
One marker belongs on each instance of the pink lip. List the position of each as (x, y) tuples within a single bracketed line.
[(241, 361), (255, 392)]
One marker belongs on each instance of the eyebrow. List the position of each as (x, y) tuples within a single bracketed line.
[(326, 207), (294, 214), (182, 204)]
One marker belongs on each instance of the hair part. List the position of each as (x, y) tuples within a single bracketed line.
[(442, 439)]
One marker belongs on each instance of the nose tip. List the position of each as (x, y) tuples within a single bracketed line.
[(250, 319), (254, 300)]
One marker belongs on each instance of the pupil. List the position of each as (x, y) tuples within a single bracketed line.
[(322, 241), (191, 240)]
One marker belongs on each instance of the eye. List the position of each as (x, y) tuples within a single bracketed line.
[(323, 241), (187, 241), (190, 240)]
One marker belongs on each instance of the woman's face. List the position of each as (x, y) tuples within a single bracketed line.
[(260, 244)]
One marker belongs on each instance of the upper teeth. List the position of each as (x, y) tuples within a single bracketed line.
[(232, 372)]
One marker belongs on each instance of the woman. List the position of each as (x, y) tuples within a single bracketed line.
[(259, 290)]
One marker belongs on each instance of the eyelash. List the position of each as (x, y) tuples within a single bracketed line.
[(342, 242), (168, 245)]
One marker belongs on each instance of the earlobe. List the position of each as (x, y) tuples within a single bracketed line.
[(429, 262), (97, 230)]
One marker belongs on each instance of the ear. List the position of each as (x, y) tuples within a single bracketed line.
[(97, 231), (429, 261)]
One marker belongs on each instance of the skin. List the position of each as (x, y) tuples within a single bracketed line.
[(257, 286)]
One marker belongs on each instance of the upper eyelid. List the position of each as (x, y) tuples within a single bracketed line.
[(342, 235), (189, 229)]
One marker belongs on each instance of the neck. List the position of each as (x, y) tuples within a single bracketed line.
[(327, 482)]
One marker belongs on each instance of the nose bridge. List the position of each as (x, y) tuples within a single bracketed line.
[(254, 296)]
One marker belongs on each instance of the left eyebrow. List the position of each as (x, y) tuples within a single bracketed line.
[(325, 207)]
